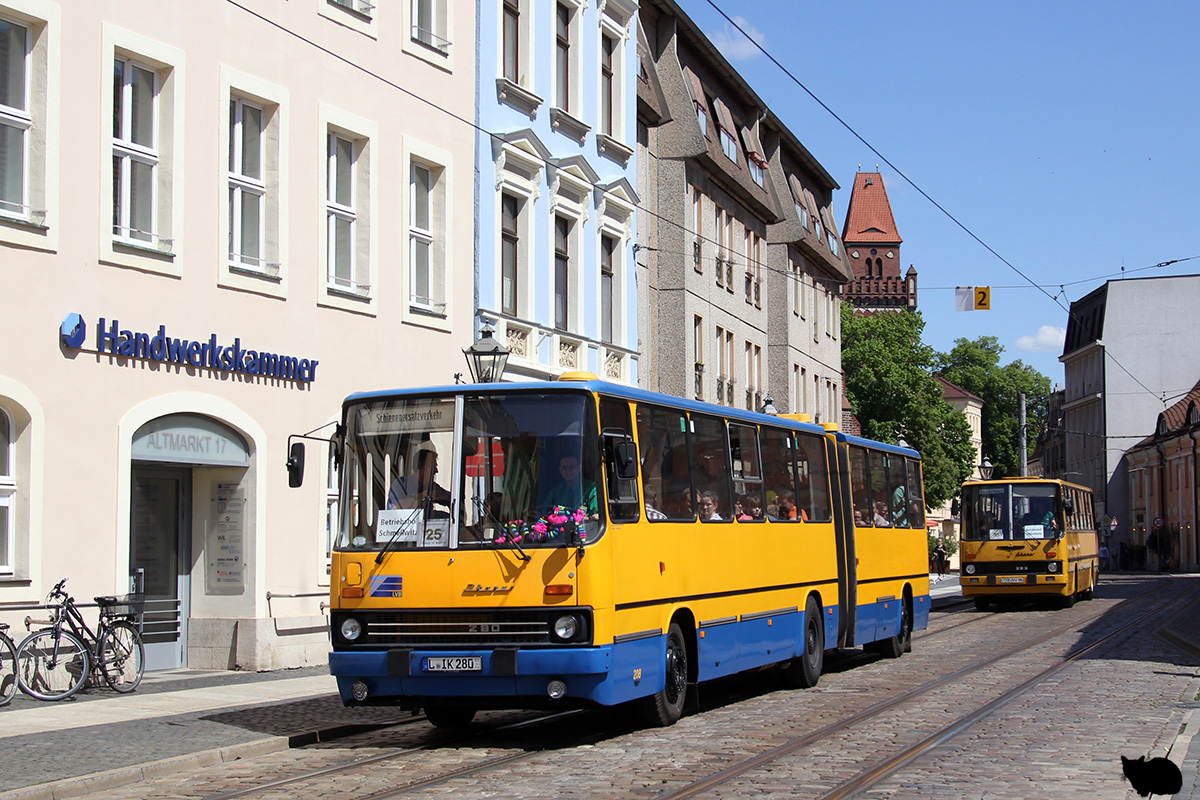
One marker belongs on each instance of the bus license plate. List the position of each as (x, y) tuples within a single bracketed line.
[(452, 664), (1011, 579)]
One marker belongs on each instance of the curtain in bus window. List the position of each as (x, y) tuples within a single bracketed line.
[(879, 489), (616, 426), (666, 477), (898, 491), (710, 469), (860, 488), (778, 478), (916, 494), (812, 477), (747, 473)]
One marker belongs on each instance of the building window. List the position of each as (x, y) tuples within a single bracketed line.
[(756, 171), (698, 353), (510, 212), (135, 152), (563, 72), (8, 491), (608, 248), (429, 24), (15, 118), (562, 273), (340, 215), (608, 92), (426, 238), (512, 41), (247, 185), (360, 7), (697, 230)]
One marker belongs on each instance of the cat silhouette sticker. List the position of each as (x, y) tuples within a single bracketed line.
[(1158, 776)]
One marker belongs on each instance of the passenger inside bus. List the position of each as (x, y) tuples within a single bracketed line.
[(708, 508), (419, 487)]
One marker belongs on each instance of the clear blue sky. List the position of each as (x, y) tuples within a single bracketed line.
[(1064, 135)]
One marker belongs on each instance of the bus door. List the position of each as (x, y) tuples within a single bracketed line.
[(839, 455)]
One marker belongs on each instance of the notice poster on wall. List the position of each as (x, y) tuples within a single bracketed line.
[(226, 559)]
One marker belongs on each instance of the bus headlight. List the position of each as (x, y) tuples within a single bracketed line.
[(565, 627), (351, 629), (1052, 566), (970, 568)]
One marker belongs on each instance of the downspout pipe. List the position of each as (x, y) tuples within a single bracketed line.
[(1162, 496)]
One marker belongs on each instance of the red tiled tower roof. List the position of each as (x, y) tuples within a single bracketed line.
[(869, 218)]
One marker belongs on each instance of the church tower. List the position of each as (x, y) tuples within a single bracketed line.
[(872, 246)]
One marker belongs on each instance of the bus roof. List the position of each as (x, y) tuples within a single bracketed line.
[(1025, 479), (612, 390)]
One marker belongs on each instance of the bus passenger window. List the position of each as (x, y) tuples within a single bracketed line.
[(860, 492), (898, 491), (812, 477), (879, 489), (747, 474), (778, 478), (666, 478), (916, 494), (710, 468)]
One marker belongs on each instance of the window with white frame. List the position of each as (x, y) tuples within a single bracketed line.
[(340, 216), (511, 44), (348, 209), (563, 234), (429, 24), (609, 246), (697, 232), (8, 491), (247, 185), (698, 353), (15, 117), (135, 151), (610, 91), (565, 56), (427, 237), (510, 254), (361, 7), (722, 255)]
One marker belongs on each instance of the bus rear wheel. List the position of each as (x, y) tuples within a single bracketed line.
[(805, 671), (664, 708)]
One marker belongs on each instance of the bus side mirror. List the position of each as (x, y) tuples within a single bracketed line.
[(955, 507), (627, 461), (295, 465)]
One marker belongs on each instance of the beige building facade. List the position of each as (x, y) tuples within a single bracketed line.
[(217, 220)]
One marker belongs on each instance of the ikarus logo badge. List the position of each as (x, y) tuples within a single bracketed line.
[(387, 586)]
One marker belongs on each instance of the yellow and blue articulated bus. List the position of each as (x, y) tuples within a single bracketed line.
[(580, 543), (1028, 538)]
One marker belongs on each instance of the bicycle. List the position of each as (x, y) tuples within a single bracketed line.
[(54, 663), (8, 666)]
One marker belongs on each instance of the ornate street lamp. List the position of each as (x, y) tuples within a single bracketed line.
[(768, 407), (986, 469), (486, 358)]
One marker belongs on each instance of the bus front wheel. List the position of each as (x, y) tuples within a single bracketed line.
[(665, 707)]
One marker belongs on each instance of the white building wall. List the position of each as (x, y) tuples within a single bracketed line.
[(315, 67)]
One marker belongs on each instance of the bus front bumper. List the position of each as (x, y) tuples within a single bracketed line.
[(1012, 584), (491, 675)]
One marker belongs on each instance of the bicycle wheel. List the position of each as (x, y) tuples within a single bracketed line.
[(122, 656), (8, 670), (51, 666)]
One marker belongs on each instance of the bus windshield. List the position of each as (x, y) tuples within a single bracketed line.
[(1010, 511), (527, 472)]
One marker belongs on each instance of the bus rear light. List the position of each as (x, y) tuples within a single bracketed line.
[(352, 592), (560, 589)]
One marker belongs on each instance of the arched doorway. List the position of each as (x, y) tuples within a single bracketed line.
[(165, 454)]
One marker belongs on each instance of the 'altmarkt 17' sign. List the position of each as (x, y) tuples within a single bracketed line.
[(111, 338)]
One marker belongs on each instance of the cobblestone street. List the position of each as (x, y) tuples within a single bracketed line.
[(1062, 737)]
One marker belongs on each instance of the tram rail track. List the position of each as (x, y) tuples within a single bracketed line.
[(729, 774)]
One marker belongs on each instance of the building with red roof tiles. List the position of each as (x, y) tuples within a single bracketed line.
[(872, 244), (1164, 494)]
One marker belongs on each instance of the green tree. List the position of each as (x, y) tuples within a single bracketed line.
[(975, 366), (889, 383)]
